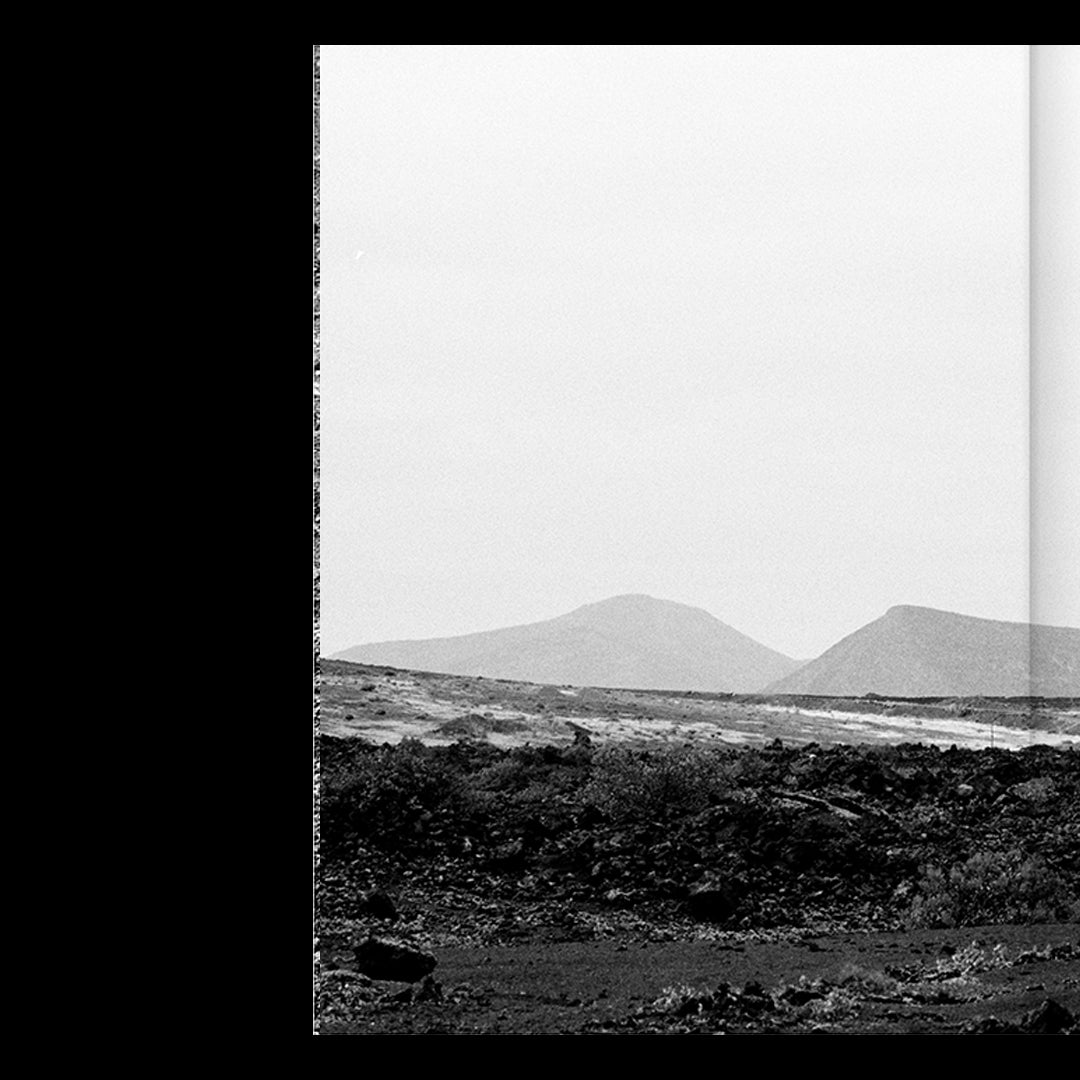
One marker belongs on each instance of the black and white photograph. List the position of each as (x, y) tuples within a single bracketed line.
[(696, 554)]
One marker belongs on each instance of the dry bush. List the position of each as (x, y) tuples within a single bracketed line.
[(650, 784), (994, 887)]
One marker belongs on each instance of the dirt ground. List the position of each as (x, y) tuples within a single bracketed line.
[(925, 982)]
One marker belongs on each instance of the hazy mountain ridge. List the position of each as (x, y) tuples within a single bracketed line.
[(631, 641), (914, 651)]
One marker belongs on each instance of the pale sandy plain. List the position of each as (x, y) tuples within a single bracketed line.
[(385, 705)]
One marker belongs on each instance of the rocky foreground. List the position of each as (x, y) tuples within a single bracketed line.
[(625, 890)]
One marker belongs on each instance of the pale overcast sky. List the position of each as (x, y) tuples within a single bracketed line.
[(741, 326)]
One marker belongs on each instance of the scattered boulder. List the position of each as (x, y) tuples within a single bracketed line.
[(508, 856), (800, 995), (712, 900), (1049, 1018), (391, 960), (582, 739), (429, 990), (378, 904)]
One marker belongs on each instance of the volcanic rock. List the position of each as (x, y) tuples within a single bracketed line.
[(379, 905), (712, 900), (388, 959), (1049, 1018)]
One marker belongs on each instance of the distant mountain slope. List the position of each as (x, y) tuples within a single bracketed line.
[(922, 652), (629, 641)]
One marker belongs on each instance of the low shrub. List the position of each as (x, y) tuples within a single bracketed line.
[(651, 784), (682, 1000), (867, 980), (993, 887)]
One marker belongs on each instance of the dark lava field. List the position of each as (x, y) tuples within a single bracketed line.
[(470, 888)]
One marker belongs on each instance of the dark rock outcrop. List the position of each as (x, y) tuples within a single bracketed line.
[(392, 960), (712, 900), (379, 905), (1049, 1018)]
